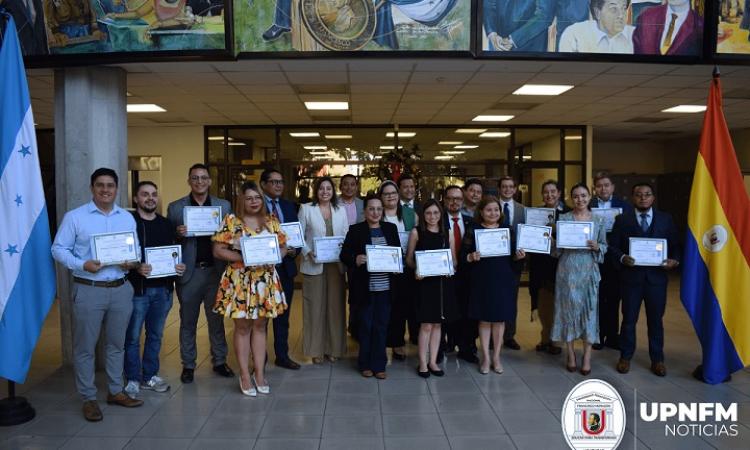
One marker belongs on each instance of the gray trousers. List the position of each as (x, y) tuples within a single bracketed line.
[(92, 307), (201, 289)]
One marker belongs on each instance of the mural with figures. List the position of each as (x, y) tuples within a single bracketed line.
[(734, 27)]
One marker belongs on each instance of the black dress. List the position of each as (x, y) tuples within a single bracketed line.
[(431, 290)]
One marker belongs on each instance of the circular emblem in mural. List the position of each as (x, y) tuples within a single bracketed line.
[(715, 238), (343, 25), (593, 416)]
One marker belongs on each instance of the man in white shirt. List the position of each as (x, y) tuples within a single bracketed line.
[(606, 33), (513, 214)]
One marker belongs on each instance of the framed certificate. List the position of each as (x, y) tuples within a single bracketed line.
[(295, 235), (648, 251), (114, 248), (328, 249), (260, 250), (201, 220), (534, 238), (574, 234), (434, 263), (540, 216), (403, 238), (493, 241), (163, 259), (382, 258), (608, 215)]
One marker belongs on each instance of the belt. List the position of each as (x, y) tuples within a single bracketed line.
[(204, 265), (104, 284)]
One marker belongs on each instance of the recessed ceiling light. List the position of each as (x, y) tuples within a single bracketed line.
[(145, 108), (327, 106), (315, 147), (241, 144), (318, 152), (450, 143), (492, 118), (573, 138), (542, 89), (338, 136), (453, 152), (471, 130), (466, 146), (390, 147), (304, 134), (443, 157), (219, 138), (688, 109), (401, 134), (495, 134)]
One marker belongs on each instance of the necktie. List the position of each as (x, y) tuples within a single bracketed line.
[(506, 215), (644, 222), (668, 38), (275, 210), (456, 238), (32, 10)]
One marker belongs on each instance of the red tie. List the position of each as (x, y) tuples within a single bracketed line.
[(456, 234)]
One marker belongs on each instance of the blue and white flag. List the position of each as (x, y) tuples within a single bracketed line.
[(27, 274)]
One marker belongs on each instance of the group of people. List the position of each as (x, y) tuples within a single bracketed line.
[(575, 293)]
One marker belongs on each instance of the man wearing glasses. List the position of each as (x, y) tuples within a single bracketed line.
[(272, 183), (199, 283)]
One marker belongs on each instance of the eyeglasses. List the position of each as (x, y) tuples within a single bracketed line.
[(275, 182), (389, 194), (201, 178), (643, 195), (254, 198)]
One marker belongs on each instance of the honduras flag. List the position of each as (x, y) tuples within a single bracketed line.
[(27, 275)]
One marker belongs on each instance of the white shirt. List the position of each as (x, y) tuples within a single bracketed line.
[(681, 16), (460, 224), (602, 204), (510, 209), (409, 203), (396, 221), (586, 37)]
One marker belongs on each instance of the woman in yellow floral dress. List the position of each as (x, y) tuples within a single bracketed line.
[(249, 295)]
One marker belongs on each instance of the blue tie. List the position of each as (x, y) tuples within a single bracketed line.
[(644, 222), (506, 215)]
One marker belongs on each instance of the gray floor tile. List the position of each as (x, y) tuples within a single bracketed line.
[(292, 426), (287, 444), (173, 426), (514, 401), (221, 444), (471, 424), (55, 425), (149, 443), (355, 425), (359, 386), (114, 426), (522, 422), (349, 443), (497, 442), (404, 386), (413, 425), (294, 386), (96, 443), (417, 443), (352, 404), (539, 441), (461, 403), (407, 404), (230, 427), (298, 404), (189, 406), (449, 385), (27, 442)]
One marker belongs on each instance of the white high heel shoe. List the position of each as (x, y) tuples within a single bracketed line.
[(249, 392), (266, 389)]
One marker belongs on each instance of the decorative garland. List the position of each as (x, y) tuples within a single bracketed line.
[(396, 163)]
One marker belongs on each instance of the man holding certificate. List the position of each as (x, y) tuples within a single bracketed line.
[(644, 246), (513, 214), (100, 291), (200, 281)]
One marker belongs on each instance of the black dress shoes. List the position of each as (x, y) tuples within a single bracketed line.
[(597, 346), (223, 370), (274, 32), (512, 344), (187, 375), (287, 363), (468, 357)]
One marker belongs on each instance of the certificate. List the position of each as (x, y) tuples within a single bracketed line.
[(493, 241), (403, 237), (574, 234), (648, 251), (328, 249), (608, 215), (382, 258), (433, 263), (163, 259), (260, 250), (534, 238), (540, 216), (295, 235), (114, 248), (201, 220)]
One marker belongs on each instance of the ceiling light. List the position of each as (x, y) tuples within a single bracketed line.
[(453, 152), (315, 147), (450, 143), (466, 146), (443, 157), (495, 134), (573, 138), (318, 152), (542, 89), (327, 106), (471, 130), (242, 144), (338, 136), (401, 134), (145, 108), (304, 134), (218, 138), (377, 157), (685, 109), (492, 118), (390, 147)]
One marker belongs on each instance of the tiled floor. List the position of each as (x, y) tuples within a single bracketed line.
[(333, 407)]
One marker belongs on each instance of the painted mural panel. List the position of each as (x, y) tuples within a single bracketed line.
[(734, 27)]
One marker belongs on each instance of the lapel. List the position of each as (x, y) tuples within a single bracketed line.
[(658, 28), (683, 34)]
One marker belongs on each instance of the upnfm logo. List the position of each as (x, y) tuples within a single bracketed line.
[(693, 419), (593, 416)]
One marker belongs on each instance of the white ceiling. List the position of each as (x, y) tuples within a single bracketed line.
[(618, 99)]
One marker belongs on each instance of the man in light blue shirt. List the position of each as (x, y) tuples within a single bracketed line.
[(100, 292)]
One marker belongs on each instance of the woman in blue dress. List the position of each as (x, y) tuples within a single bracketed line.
[(577, 284)]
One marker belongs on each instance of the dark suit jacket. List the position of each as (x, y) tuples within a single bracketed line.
[(31, 34), (650, 26), (354, 244), (626, 226), (616, 203), (567, 12), (504, 17), (287, 267)]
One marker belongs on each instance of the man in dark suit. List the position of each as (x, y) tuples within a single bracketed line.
[(669, 29), (272, 183), (513, 214), (609, 286), (502, 18), (29, 18), (282, 21), (643, 283)]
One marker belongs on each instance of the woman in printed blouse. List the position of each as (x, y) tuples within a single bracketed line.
[(249, 295)]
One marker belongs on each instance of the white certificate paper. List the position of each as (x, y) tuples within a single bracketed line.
[(295, 235), (434, 263), (493, 241), (574, 234), (534, 238), (540, 216), (260, 250), (114, 248), (328, 249), (403, 238), (163, 259), (608, 215), (382, 258), (202, 220), (648, 251)]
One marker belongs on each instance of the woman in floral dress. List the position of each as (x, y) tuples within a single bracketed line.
[(250, 295)]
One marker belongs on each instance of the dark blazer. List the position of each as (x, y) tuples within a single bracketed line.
[(626, 226), (468, 222), (32, 34), (354, 244), (616, 203), (287, 267), (567, 12), (650, 26), (504, 17)]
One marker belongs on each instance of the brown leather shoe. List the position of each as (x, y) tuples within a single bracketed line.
[(123, 400), (659, 369), (623, 366), (91, 411)]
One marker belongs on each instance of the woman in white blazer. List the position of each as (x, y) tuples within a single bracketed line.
[(323, 288)]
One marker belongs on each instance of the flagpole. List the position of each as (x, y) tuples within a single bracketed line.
[(15, 410)]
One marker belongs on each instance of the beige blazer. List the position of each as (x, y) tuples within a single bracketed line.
[(314, 226)]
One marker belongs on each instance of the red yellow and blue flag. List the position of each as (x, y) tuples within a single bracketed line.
[(715, 287)]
